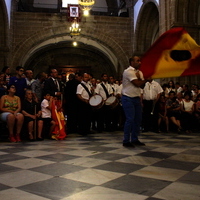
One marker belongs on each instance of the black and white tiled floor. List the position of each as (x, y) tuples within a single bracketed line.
[(98, 167)]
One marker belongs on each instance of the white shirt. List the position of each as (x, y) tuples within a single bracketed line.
[(128, 89), (99, 90), (115, 89), (151, 90), (46, 113), (29, 82), (119, 89), (179, 90), (81, 90), (187, 105)]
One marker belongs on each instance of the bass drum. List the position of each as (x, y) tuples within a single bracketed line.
[(96, 101), (112, 102)]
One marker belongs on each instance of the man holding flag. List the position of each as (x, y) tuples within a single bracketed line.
[(131, 102)]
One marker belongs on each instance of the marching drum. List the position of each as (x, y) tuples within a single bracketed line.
[(96, 101), (112, 102)]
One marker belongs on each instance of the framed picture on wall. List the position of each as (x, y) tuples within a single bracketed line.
[(73, 11)]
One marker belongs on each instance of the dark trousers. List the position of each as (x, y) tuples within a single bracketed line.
[(115, 117), (72, 118), (104, 119), (84, 118), (148, 117)]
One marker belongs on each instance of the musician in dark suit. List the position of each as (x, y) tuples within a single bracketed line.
[(51, 85)]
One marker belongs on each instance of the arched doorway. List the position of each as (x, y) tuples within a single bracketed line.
[(66, 57), (102, 54), (147, 27)]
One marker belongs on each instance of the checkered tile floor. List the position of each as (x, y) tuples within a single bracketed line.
[(98, 167)]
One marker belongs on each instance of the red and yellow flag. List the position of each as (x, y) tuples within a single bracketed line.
[(174, 54), (59, 130)]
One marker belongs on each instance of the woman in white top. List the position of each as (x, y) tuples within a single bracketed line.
[(187, 112)]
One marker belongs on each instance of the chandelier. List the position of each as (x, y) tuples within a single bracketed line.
[(74, 28), (86, 4)]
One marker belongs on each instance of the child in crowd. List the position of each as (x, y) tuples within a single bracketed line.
[(46, 112)]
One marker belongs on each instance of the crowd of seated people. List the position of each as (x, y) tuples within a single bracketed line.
[(178, 107), (25, 108), (25, 105)]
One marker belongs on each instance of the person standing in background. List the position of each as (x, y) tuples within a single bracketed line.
[(84, 93), (151, 94), (29, 78), (37, 86), (51, 85), (19, 82), (71, 102)]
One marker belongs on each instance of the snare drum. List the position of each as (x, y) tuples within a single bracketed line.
[(96, 101), (112, 102)]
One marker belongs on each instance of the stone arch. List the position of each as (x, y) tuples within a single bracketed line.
[(97, 39), (147, 27), (3, 32)]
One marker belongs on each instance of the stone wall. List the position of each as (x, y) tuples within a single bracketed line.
[(32, 29)]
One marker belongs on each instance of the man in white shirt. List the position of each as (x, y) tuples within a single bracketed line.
[(84, 93), (151, 94), (115, 111), (103, 114), (131, 102)]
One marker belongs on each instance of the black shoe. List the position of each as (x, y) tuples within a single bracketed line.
[(138, 143), (128, 144)]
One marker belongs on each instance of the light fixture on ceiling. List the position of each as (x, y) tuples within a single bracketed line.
[(86, 5), (74, 43), (74, 28)]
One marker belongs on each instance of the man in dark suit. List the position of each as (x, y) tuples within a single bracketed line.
[(51, 85), (71, 102)]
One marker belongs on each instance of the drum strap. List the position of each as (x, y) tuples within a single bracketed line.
[(87, 90), (106, 91)]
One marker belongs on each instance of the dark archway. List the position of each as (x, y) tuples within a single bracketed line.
[(147, 27), (64, 54)]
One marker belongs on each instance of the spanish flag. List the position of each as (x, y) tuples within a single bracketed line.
[(174, 54), (59, 130)]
